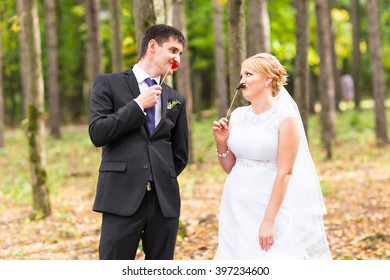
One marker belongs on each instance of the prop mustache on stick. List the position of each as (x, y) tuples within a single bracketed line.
[(174, 66), (234, 97)]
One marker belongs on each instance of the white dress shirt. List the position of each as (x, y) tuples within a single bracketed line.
[(141, 75)]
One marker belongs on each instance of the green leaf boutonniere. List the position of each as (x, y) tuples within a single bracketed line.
[(173, 104)]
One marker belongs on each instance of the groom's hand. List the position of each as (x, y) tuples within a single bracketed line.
[(149, 96)]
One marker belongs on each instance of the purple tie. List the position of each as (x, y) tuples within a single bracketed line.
[(150, 112)]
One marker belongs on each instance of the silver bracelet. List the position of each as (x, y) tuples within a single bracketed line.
[(224, 154)]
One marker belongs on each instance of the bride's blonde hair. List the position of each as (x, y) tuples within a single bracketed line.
[(268, 66)]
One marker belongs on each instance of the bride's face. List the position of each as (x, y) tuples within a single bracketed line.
[(255, 84)]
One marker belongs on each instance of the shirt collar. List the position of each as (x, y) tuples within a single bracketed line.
[(141, 75)]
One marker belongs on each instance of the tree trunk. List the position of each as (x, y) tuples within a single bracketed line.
[(378, 75), (237, 46), (313, 89), (356, 60), (52, 68), (2, 115), (94, 45), (160, 11), (336, 72), (163, 11), (220, 62), (23, 60), (258, 27), (36, 129), (327, 83), (302, 78), (183, 76), (116, 36), (144, 17), (197, 93), (169, 12)]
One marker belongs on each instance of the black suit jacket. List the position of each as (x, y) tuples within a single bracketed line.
[(129, 152)]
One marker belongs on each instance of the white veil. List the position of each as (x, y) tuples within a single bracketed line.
[(305, 190)]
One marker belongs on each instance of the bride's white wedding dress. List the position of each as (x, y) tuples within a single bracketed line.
[(254, 141)]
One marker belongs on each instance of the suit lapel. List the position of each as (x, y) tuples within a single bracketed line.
[(164, 103), (132, 83), (134, 90)]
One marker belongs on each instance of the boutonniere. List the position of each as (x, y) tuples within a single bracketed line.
[(173, 104)]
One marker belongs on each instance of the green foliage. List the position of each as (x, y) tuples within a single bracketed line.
[(128, 31), (343, 35), (357, 126), (9, 28), (15, 180), (327, 188), (71, 37), (200, 47), (282, 34), (200, 34), (71, 31)]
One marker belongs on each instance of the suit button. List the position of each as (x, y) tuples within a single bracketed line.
[(145, 166), (149, 143)]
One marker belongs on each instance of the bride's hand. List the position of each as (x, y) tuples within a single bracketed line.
[(266, 235), (221, 130)]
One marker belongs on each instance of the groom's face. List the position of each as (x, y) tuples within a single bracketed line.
[(165, 53)]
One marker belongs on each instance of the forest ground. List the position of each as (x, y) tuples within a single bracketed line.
[(355, 184)]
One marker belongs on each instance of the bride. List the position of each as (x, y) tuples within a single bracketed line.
[(272, 206)]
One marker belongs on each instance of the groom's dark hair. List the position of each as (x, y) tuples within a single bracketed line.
[(160, 33)]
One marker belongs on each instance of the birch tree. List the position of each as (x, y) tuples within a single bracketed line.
[(36, 128)]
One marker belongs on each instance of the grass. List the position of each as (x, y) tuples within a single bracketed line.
[(68, 158)]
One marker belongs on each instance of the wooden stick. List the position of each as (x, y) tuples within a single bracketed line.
[(231, 104), (234, 97), (162, 80)]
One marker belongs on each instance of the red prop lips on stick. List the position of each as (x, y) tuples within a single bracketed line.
[(174, 65)]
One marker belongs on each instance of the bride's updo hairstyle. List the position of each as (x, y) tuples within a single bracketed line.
[(268, 65)]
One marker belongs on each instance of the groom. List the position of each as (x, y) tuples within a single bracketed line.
[(142, 128)]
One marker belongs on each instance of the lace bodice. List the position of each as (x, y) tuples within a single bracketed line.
[(254, 138)]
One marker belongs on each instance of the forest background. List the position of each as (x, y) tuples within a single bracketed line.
[(48, 176)]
